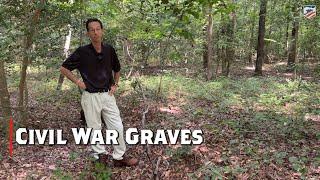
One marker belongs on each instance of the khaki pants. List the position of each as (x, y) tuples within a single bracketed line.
[(93, 104)]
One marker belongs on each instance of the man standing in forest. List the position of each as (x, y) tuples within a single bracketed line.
[(96, 62)]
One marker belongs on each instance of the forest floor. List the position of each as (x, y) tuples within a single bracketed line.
[(254, 127)]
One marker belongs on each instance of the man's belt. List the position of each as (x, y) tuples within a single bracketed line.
[(97, 90)]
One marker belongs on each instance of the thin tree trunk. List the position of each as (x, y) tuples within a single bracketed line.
[(205, 56), (223, 50), (249, 55), (26, 59), (220, 57), (287, 37), (23, 76), (267, 60), (148, 52), (223, 60), (161, 61), (267, 47), (222, 37), (209, 43), (292, 55), (230, 50), (252, 21), (126, 48), (261, 34), (144, 53), (4, 98), (218, 53), (66, 54), (83, 13), (205, 44)]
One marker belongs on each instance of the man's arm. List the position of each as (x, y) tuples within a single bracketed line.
[(116, 78), (114, 87), (66, 72), (116, 71)]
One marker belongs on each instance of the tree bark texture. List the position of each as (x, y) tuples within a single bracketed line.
[(5, 112), (209, 43), (292, 54), (26, 59), (261, 35)]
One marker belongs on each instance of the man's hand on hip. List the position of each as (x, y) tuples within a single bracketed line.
[(81, 84), (112, 90)]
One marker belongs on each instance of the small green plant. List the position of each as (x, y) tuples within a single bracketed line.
[(96, 171), (180, 153), (61, 175), (101, 171), (279, 157), (298, 165), (73, 156)]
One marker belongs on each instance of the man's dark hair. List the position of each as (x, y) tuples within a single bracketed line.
[(93, 20)]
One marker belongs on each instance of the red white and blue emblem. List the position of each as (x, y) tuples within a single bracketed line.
[(309, 11)]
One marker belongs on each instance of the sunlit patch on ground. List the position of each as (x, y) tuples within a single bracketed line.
[(312, 117), (175, 110)]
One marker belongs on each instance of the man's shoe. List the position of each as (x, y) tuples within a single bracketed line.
[(125, 162)]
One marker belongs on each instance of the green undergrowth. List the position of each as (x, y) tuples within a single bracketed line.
[(255, 94), (97, 171)]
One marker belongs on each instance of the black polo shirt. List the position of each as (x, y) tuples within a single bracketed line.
[(95, 68)]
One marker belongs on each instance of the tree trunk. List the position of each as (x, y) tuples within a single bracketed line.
[(251, 42), (218, 52), (26, 60), (209, 43), (292, 55), (144, 53), (130, 60), (222, 50), (126, 46), (267, 57), (4, 99), (261, 34), (23, 76), (205, 56), (223, 59), (287, 37), (267, 47), (251, 39), (230, 50), (66, 54)]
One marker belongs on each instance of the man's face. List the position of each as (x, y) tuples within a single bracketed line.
[(95, 32)]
